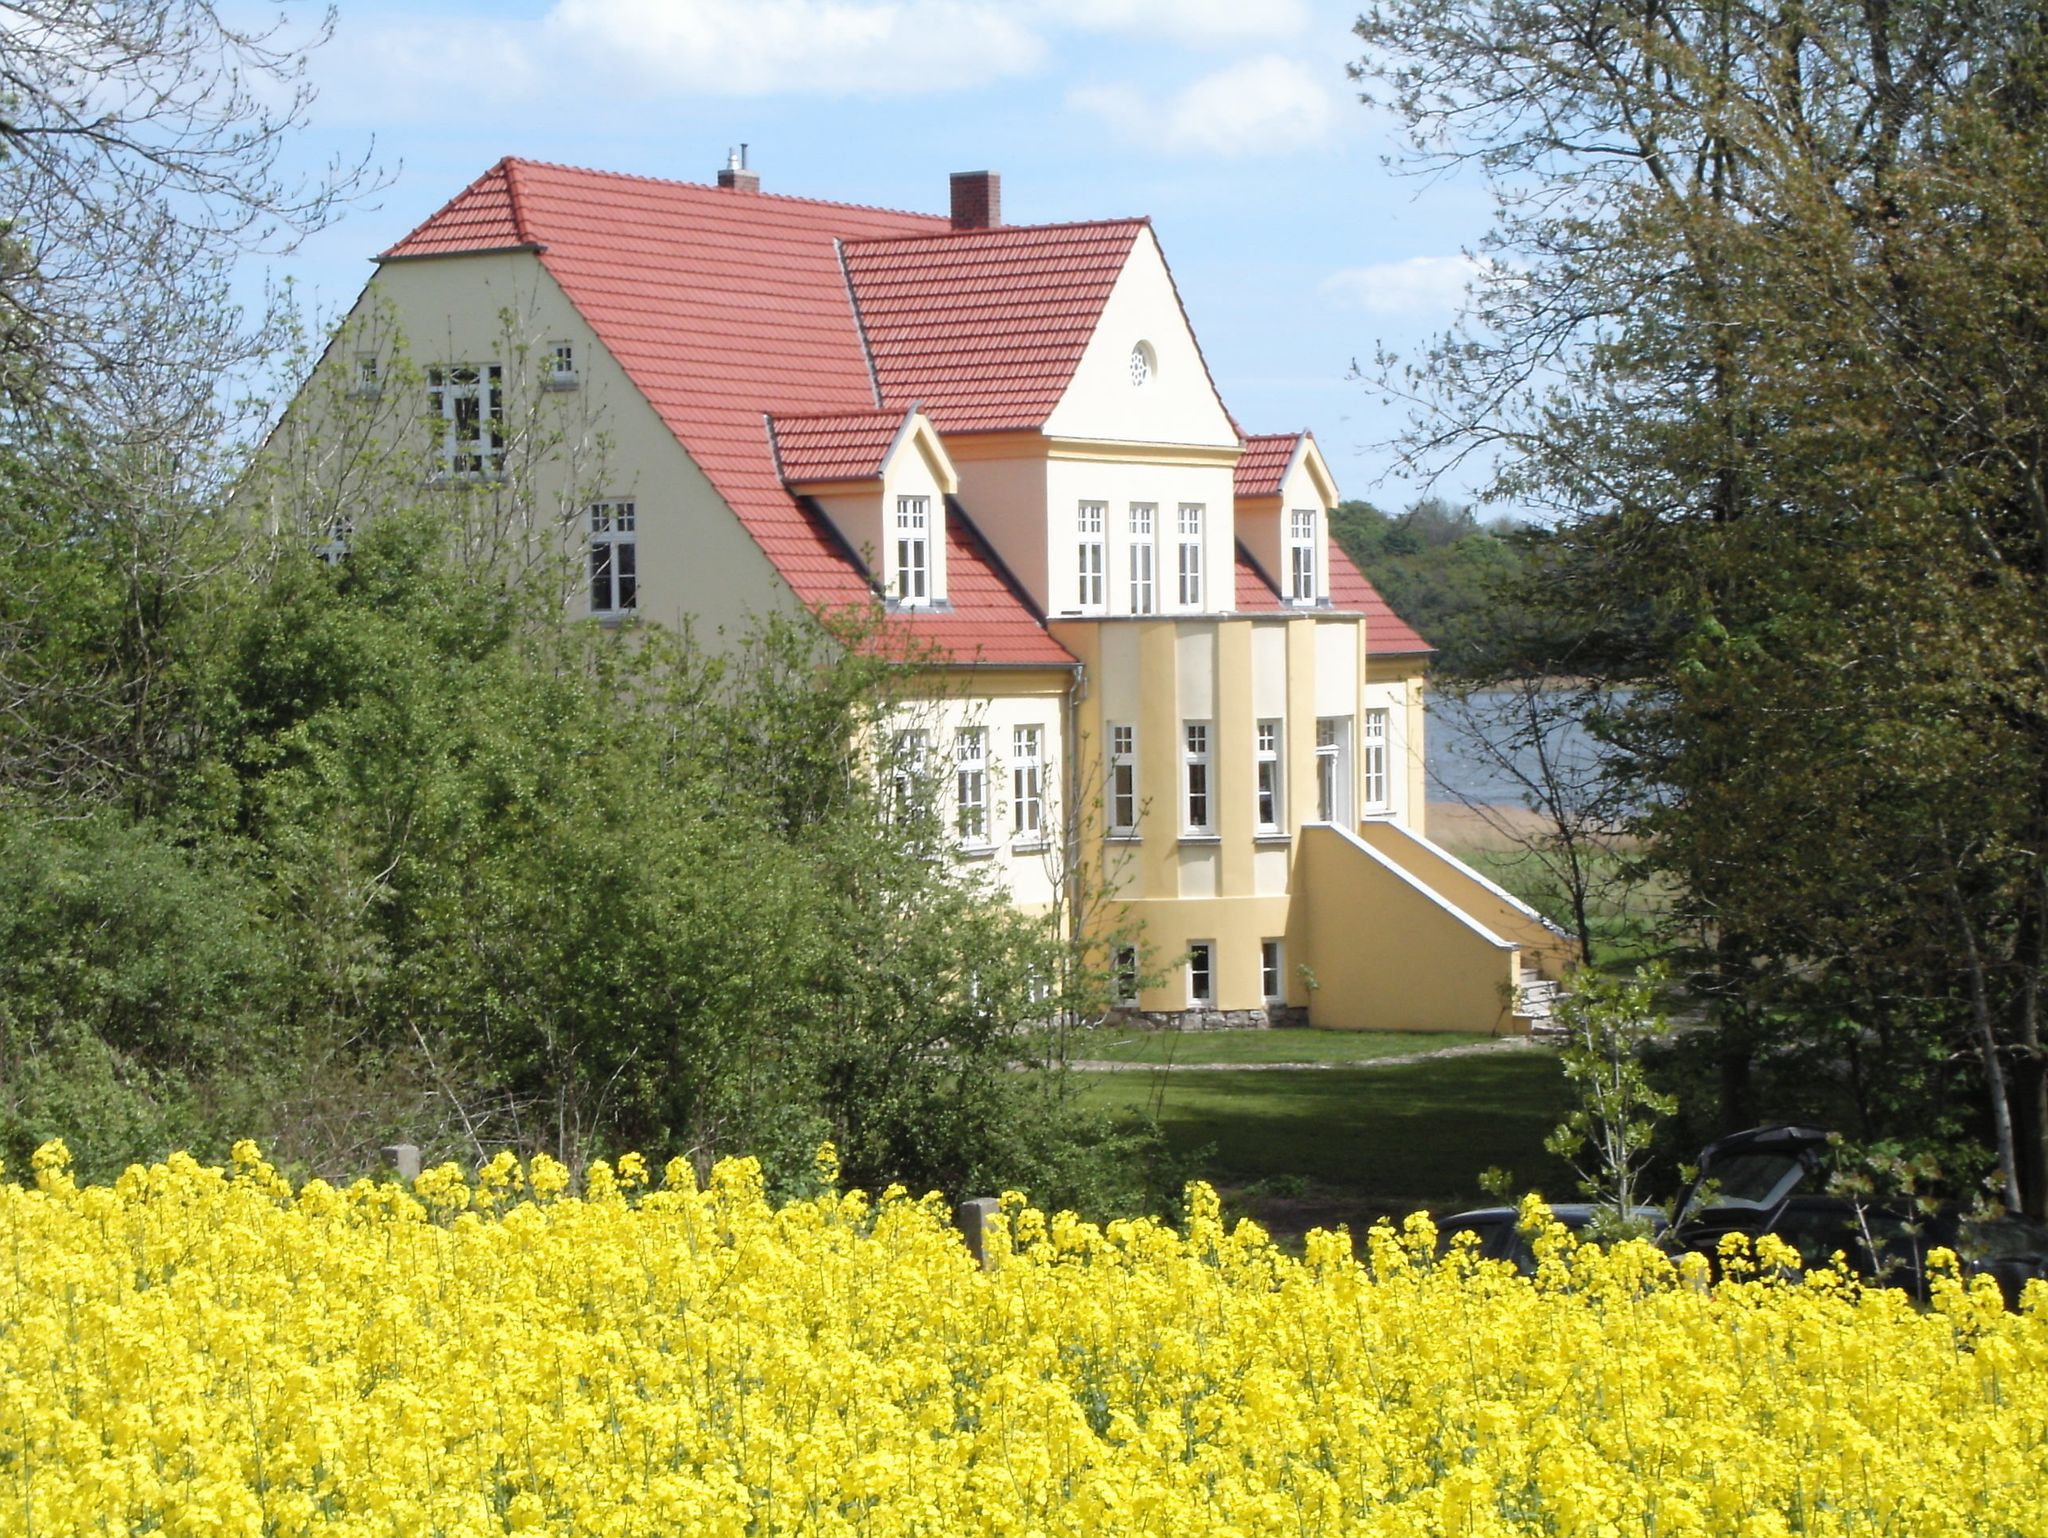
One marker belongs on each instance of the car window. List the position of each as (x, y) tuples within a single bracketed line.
[(1754, 1180)]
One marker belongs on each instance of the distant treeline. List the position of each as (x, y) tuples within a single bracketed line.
[(1444, 571)]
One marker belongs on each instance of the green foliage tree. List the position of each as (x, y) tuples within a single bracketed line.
[(1770, 343), (1609, 1139)]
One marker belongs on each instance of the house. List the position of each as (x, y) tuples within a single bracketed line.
[(1148, 659)]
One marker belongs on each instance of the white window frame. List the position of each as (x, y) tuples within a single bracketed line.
[(614, 558), (1272, 971), (1144, 568), (1189, 564), (909, 758), (1027, 785), (1373, 738), (1301, 554), (1123, 780), (368, 383), (466, 402), (1201, 973), (970, 787), (1333, 769), (1090, 575), (912, 578), (1197, 777), (1269, 801), (562, 365)]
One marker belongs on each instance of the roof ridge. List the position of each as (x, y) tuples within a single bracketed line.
[(860, 325), (1133, 220), (512, 196), (892, 412), (671, 181)]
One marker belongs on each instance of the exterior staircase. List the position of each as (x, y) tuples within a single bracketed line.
[(1536, 998)]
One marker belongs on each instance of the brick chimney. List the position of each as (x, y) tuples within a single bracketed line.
[(977, 200), (735, 176)]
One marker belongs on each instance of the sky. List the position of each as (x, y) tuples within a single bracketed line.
[(1231, 123)]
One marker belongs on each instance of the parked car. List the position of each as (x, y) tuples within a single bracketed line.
[(1772, 1180), (1499, 1234)]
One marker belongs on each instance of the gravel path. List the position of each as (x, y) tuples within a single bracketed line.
[(1470, 1049)]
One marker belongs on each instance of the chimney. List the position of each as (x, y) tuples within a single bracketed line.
[(977, 200), (736, 177)]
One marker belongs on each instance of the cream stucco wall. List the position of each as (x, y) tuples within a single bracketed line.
[(1178, 401), (998, 701), (598, 441)]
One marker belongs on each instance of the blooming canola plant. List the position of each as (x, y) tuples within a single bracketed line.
[(196, 1350)]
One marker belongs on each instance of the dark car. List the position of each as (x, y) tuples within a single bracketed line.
[(1773, 1180), (1499, 1235)]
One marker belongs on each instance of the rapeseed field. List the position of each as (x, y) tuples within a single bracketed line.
[(206, 1351)]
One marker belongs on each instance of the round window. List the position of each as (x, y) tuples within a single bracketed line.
[(1143, 364)]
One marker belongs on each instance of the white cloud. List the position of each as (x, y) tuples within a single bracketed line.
[(822, 47), (1420, 285), (1268, 105), (1178, 21)]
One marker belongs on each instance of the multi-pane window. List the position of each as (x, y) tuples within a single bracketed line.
[(1027, 783), (1124, 964), (561, 365), (1301, 554), (1333, 769), (907, 753), (1271, 986), (1266, 776), (913, 550), (1202, 974), (1123, 779), (1372, 760), (1088, 525), (970, 785), (1191, 555), (1143, 598), (614, 558), (336, 530), (466, 406), (1195, 774), (369, 380)]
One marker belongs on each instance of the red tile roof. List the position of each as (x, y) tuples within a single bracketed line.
[(1386, 633), (1255, 592), (843, 446), (720, 305), (1264, 463), (983, 328)]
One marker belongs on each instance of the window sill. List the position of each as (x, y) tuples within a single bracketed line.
[(1201, 838), (612, 619), (1124, 838), (562, 382), (975, 851), (1031, 845), (1280, 838)]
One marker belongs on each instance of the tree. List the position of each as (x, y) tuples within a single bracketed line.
[(1769, 341), (1607, 1022)]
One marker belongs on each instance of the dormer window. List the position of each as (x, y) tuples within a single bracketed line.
[(1301, 555), (913, 584)]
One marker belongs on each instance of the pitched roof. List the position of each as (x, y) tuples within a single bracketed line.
[(1386, 633), (983, 328), (1263, 465), (839, 446), (1255, 591), (721, 304)]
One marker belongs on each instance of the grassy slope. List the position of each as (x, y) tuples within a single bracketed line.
[(1360, 1143), (1122, 1044)]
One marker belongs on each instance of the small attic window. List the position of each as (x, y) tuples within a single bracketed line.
[(1144, 364), (368, 382), (561, 365)]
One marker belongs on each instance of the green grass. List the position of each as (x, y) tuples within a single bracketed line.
[(1351, 1145), (1124, 1044), (1624, 917)]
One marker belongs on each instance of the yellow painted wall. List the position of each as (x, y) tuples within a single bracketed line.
[(1386, 957), (1542, 947)]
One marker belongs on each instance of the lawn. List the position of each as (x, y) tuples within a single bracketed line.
[(1123, 1044), (1352, 1144)]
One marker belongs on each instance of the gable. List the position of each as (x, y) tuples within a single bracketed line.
[(1177, 402)]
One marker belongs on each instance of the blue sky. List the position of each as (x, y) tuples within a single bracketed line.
[(1230, 122)]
